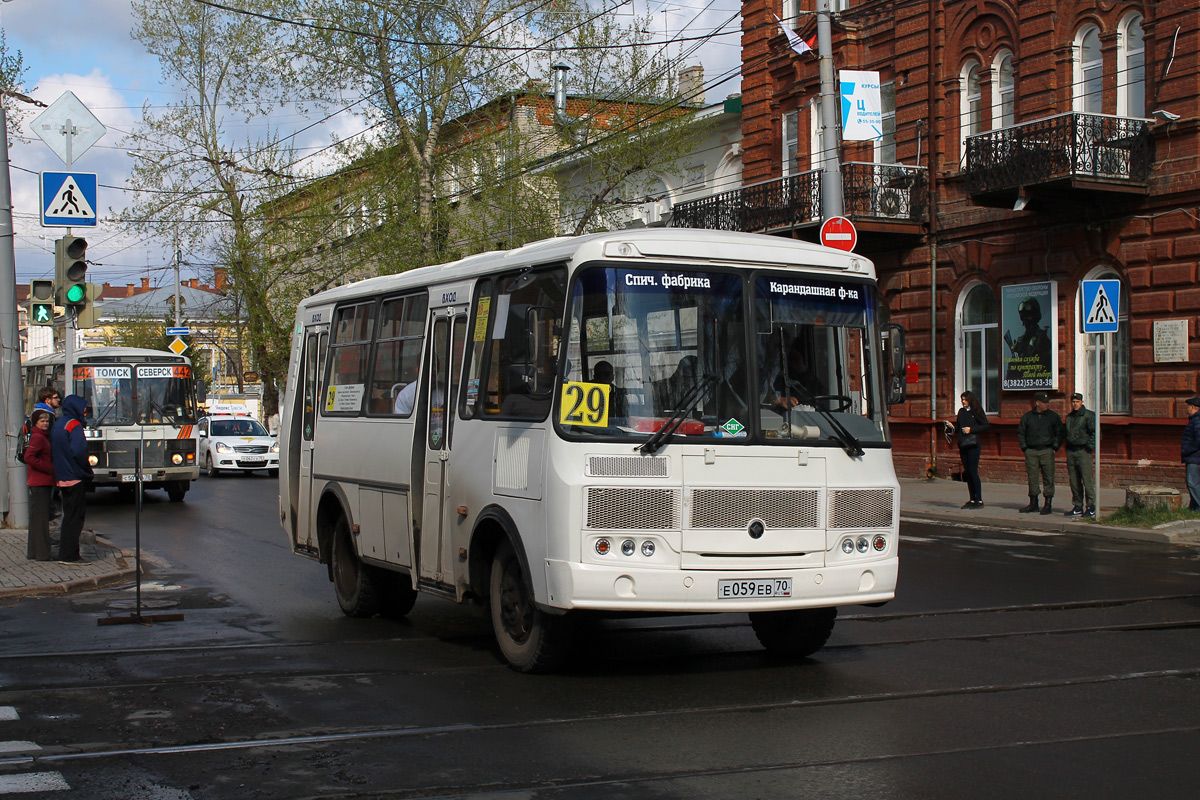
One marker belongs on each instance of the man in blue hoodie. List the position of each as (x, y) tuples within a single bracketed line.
[(68, 447)]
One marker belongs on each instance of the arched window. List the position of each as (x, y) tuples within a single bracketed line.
[(979, 358), (1004, 98), (1131, 67), (1087, 91), (1114, 353), (970, 104)]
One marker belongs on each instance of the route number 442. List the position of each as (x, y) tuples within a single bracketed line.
[(584, 404)]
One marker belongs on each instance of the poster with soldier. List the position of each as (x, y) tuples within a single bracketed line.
[(1029, 317)]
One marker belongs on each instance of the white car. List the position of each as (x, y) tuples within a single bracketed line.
[(230, 442)]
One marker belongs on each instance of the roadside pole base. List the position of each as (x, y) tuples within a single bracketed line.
[(139, 619)]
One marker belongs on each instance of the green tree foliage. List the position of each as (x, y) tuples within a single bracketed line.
[(12, 88)]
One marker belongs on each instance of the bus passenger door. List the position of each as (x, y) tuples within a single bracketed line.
[(312, 368), (446, 343)]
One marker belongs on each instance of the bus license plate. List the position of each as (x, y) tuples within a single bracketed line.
[(734, 589), (129, 479)]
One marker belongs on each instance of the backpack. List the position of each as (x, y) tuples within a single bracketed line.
[(23, 440)]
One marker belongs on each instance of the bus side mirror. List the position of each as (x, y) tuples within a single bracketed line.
[(896, 363), (201, 391)]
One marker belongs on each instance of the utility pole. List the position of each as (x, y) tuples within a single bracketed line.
[(178, 257), (14, 497), (831, 171)]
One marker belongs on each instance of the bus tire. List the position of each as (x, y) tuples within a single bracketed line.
[(353, 582), (176, 490), (793, 634), (530, 639), (399, 596)]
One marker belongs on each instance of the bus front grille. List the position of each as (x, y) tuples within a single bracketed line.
[(627, 467), (861, 508), (643, 509), (735, 508)]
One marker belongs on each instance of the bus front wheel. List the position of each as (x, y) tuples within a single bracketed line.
[(530, 639), (793, 634), (176, 490), (353, 581)]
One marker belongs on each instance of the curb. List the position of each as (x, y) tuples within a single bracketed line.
[(123, 573), (1086, 529)]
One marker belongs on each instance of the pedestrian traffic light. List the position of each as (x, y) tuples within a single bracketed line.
[(70, 271), (41, 301)]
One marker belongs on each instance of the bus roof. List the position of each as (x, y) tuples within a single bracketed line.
[(104, 354), (719, 248)]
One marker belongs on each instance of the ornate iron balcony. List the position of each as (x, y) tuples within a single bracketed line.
[(1085, 150), (886, 192)]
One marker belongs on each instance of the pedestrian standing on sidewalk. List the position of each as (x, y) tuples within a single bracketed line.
[(1191, 452), (39, 477), (1081, 443), (1040, 432), (68, 446), (50, 400), (971, 422)]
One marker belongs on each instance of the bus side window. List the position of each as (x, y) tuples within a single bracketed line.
[(477, 356), (397, 355), (349, 357)]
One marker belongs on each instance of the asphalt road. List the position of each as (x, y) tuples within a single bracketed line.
[(1011, 664)]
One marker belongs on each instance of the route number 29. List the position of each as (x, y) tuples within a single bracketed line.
[(584, 404)]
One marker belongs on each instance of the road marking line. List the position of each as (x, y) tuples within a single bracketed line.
[(33, 782), (17, 747), (8, 713)]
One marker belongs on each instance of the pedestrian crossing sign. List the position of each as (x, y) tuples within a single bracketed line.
[(68, 199), (1101, 306)]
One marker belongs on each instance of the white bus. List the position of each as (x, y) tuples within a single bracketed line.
[(133, 398), (612, 423)]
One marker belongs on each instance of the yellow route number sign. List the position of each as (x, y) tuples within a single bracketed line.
[(584, 404)]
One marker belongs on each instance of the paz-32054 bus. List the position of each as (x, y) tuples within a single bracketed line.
[(658, 421)]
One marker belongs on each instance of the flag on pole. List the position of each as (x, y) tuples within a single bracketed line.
[(801, 46)]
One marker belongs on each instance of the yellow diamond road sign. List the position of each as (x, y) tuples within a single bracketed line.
[(177, 346)]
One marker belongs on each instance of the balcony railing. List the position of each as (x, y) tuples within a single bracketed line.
[(1093, 148), (887, 192)]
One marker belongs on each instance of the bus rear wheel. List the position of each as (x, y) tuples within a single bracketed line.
[(530, 639), (793, 634), (353, 582)]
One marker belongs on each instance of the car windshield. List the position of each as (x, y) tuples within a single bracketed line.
[(236, 427), (658, 355)]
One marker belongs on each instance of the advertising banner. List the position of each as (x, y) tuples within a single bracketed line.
[(1029, 321), (862, 108)]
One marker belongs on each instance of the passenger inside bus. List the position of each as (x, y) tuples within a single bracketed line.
[(794, 383), (618, 403)]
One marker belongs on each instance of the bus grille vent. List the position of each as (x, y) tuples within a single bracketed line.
[(860, 508), (626, 467), (643, 509), (735, 508)]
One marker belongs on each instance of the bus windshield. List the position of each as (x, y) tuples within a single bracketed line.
[(669, 353), (164, 394)]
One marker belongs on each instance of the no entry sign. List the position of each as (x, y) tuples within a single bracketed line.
[(838, 232)]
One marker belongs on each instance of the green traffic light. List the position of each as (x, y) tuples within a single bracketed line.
[(76, 293), (41, 313)]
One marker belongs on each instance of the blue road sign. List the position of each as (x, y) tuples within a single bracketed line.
[(1101, 306), (178, 331), (68, 199)]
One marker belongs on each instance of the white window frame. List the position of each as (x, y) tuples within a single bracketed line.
[(1115, 397), (1131, 67), (790, 12), (814, 134), (1090, 102), (1004, 94), (885, 145), (970, 104), (790, 138), (991, 356)]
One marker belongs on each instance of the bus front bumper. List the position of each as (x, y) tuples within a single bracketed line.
[(588, 586)]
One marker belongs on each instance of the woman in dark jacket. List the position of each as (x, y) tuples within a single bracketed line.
[(971, 422), (39, 476)]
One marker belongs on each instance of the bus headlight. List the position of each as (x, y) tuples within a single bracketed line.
[(847, 546), (647, 548), (93, 461), (627, 547), (863, 544), (176, 459)]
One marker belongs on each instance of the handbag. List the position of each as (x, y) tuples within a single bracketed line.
[(966, 440)]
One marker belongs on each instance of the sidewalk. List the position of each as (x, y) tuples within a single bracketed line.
[(940, 500), (103, 564)]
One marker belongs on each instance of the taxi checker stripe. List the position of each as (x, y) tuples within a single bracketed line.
[(185, 432)]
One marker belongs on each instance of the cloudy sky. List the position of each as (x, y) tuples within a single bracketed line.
[(84, 46)]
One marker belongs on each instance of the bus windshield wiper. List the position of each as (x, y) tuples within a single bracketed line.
[(660, 437), (845, 438)]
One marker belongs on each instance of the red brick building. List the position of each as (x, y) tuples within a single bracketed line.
[(1028, 146)]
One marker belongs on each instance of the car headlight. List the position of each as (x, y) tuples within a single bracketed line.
[(275, 447), (221, 447)]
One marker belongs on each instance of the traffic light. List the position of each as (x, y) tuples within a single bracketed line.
[(41, 301), (89, 314), (70, 271)]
